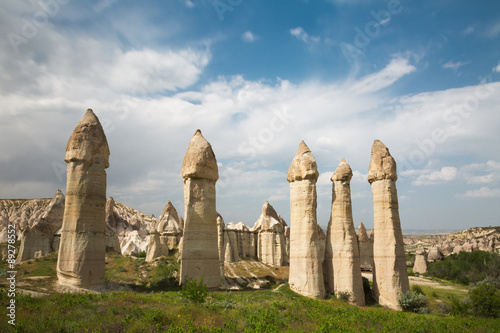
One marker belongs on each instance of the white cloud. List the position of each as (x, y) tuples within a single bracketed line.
[(396, 69), (454, 65), (469, 30), (483, 192), (446, 174), (248, 36), (497, 68), (300, 34)]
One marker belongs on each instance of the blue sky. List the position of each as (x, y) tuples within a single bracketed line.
[(257, 77)]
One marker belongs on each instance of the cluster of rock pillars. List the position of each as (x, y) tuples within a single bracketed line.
[(319, 264)]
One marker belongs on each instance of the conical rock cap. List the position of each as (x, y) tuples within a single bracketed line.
[(199, 161), (88, 142), (303, 165)]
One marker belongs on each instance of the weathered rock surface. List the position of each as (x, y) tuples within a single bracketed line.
[(127, 229), (434, 254), (22, 213), (83, 243), (200, 255), (37, 240), (220, 242), (342, 262), (165, 233), (306, 272), (390, 274), (420, 265), (271, 240), (365, 249)]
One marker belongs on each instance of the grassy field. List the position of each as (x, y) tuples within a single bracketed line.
[(153, 303)]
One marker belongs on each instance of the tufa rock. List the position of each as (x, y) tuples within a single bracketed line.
[(390, 274), (342, 263), (306, 272), (83, 243), (200, 254)]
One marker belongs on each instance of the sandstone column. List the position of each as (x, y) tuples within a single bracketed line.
[(420, 265), (306, 271), (390, 275), (200, 254), (341, 240), (365, 245), (83, 243)]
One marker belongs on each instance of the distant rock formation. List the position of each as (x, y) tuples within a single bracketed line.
[(365, 249), (342, 263), (434, 254), (420, 265), (127, 229), (200, 254), (23, 213), (165, 233), (390, 275), (37, 240), (306, 271), (271, 240), (220, 242), (82, 249)]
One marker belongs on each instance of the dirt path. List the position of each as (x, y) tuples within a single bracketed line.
[(420, 281)]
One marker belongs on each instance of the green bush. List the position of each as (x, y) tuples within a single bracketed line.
[(193, 291), (413, 302), (417, 289), (344, 296), (485, 300), (467, 267)]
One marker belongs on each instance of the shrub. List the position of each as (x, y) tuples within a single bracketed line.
[(417, 289), (344, 296), (413, 302), (485, 300), (142, 254), (193, 291)]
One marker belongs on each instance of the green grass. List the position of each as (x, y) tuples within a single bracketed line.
[(233, 311), (156, 306)]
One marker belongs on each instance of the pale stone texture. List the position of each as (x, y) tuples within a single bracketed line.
[(434, 254), (420, 265), (306, 272), (390, 274), (220, 242), (127, 229), (271, 240), (365, 248), (165, 233), (37, 240), (342, 253), (83, 243), (200, 254)]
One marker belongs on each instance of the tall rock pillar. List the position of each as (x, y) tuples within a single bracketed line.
[(390, 275), (200, 254), (306, 271), (83, 243), (365, 245), (341, 243)]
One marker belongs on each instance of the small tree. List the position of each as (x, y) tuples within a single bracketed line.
[(485, 300)]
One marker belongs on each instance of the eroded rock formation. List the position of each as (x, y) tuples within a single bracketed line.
[(83, 243), (365, 249), (342, 262), (37, 240), (271, 240), (306, 272), (200, 255), (420, 265), (390, 274)]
